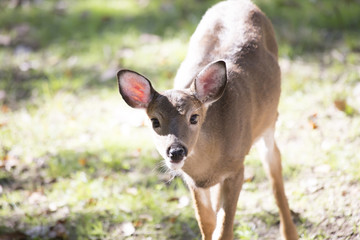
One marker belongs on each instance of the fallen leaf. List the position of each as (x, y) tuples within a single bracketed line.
[(313, 121), (5, 109), (249, 177), (173, 199), (340, 104), (2, 124), (92, 202), (343, 106), (10, 162), (68, 73), (82, 161), (139, 223), (106, 19), (173, 219)]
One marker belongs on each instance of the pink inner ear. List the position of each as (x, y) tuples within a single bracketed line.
[(138, 90), (207, 86), (208, 81)]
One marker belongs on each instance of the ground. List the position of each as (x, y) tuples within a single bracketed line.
[(77, 163)]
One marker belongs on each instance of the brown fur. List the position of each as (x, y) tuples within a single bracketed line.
[(242, 111)]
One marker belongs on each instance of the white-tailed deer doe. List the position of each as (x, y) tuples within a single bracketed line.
[(225, 99)]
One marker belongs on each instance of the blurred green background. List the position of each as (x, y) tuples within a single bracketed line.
[(77, 163)]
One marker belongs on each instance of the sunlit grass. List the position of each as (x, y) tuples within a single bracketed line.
[(73, 156)]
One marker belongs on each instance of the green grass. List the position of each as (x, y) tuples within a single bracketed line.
[(77, 163)]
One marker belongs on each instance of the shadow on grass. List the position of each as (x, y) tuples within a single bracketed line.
[(36, 29), (97, 225), (21, 86), (48, 169), (306, 26), (302, 28), (98, 217), (84, 177), (51, 27)]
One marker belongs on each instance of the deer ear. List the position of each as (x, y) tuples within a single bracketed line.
[(210, 83), (135, 89)]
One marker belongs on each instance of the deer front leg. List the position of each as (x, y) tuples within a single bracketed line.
[(216, 206), (228, 196), (205, 214)]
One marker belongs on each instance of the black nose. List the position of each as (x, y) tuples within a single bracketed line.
[(177, 153)]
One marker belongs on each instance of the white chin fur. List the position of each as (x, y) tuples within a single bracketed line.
[(174, 166)]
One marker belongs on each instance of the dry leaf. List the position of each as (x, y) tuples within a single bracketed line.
[(92, 202), (173, 199), (5, 109), (340, 104), (2, 124), (10, 162), (138, 223), (68, 73), (82, 161), (249, 178), (173, 219), (312, 119)]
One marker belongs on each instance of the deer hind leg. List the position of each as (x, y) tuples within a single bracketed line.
[(271, 159)]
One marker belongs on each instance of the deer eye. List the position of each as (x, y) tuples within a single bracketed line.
[(155, 123), (194, 119)]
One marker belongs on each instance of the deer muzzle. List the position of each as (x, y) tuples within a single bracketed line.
[(177, 153)]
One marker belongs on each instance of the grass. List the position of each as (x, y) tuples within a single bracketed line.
[(76, 163)]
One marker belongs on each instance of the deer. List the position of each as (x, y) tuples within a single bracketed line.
[(225, 100)]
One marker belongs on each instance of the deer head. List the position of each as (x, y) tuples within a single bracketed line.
[(176, 115)]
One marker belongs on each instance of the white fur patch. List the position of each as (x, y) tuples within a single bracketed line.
[(219, 219)]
